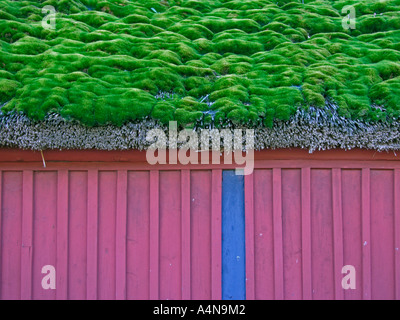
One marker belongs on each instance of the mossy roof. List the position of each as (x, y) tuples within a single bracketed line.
[(243, 62)]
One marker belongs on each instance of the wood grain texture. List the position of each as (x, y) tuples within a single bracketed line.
[(125, 230)]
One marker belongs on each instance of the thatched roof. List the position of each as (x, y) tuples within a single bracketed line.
[(316, 129), (292, 71)]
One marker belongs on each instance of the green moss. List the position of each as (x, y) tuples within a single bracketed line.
[(192, 31), (232, 64), (29, 46), (386, 93), (256, 61), (203, 6), (235, 93), (186, 52), (189, 111), (238, 46), (136, 18), (8, 89), (228, 82), (225, 106), (162, 21), (166, 56), (163, 111), (388, 69), (203, 46), (217, 24)]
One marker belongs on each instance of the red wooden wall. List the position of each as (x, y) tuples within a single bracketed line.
[(115, 227), (305, 224)]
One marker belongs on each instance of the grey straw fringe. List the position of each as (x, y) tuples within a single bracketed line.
[(314, 129)]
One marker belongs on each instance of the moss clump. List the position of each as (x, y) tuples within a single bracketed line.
[(8, 89), (189, 111), (234, 93), (238, 46), (163, 111), (192, 31)]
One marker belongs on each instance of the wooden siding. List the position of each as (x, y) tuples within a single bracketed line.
[(115, 227)]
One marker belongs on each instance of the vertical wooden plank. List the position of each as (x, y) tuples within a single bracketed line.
[(107, 212), (11, 212), (62, 236), (337, 231), (233, 237), (27, 231), (92, 234), (291, 230), (154, 234), (306, 232), (185, 233), (397, 231), (121, 231), (366, 233), (200, 234), (249, 237), (170, 236), (278, 242), (77, 237), (264, 235), (382, 236), (138, 236), (216, 208), (351, 212), (44, 231), (323, 282)]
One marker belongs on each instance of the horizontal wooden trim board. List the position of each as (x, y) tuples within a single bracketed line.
[(17, 155)]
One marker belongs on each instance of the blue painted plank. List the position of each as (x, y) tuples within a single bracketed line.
[(233, 237)]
